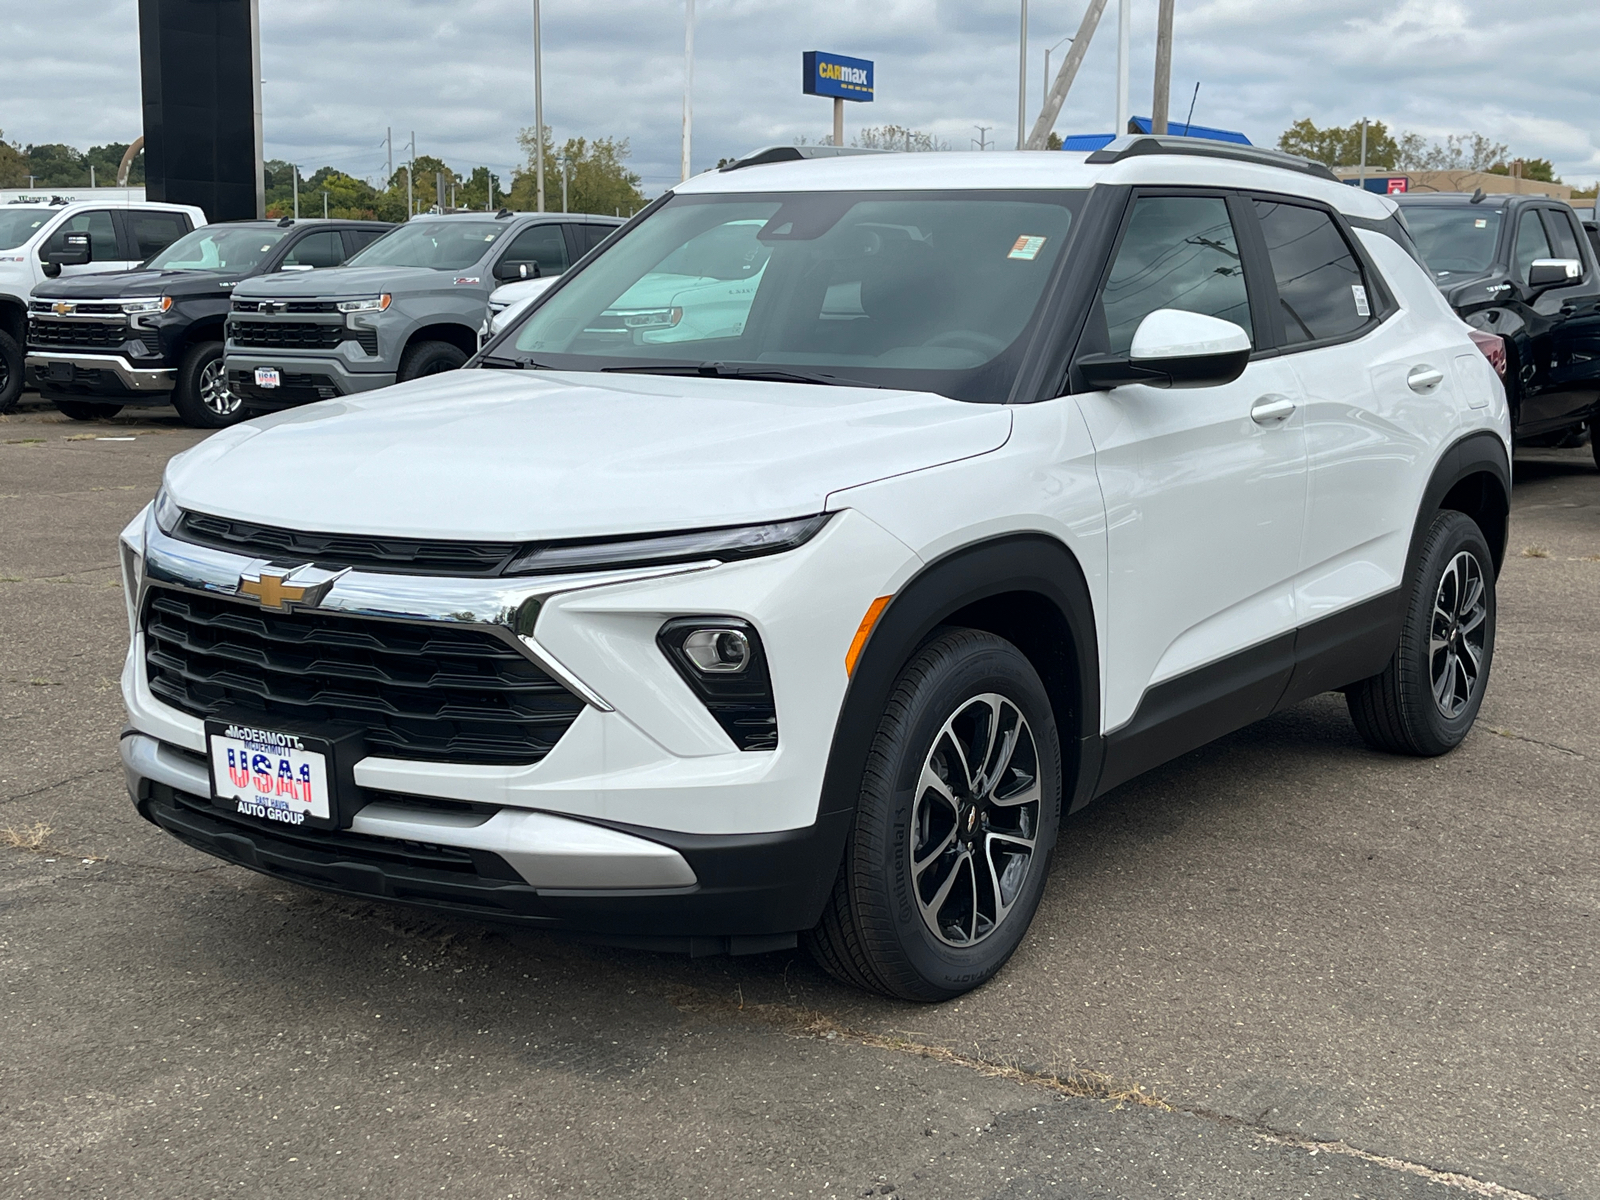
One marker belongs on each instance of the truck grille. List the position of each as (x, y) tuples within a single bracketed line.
[(291, 306), (97, 335), (285, 335), (417, 691), (407, 556)]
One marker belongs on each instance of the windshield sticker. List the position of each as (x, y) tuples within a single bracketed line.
[(1026, 248), (1481, 223), (1363, 309)]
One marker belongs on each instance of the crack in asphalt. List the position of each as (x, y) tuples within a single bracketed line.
[(1512, 735), (53, 578), (49, 786)]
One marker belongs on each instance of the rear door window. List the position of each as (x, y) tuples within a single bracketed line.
[(593, 235), (1562, 235), (1178, 252), (153, 232), (357, 239), (1322, 293), (322, 249), (541, 246)]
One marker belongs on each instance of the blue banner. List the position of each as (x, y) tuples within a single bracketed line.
[(835, 75)]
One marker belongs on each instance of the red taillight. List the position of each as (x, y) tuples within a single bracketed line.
[(1493, 347)]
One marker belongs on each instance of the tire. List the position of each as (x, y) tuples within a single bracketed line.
[(429, 358), (202, 397), (1447, 628), (1594, 438), (86, 410), (11, 372), (928, 934)]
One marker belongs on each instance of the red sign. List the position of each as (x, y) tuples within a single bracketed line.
[(1397, 185)]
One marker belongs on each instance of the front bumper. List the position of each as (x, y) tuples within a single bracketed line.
[(306, 378), (72, 373)]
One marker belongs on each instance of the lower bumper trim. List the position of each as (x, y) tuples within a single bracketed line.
[(135, 379)]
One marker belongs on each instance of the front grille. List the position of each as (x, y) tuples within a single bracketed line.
[(408, 556), (417, 691), (111, 308), (292, 388), (97, 335), (285, 335), (289, 306)]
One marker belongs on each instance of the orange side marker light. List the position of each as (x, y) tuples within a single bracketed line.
[(863, 631)]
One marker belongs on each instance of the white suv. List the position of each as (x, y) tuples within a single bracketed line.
[(1014, 476)]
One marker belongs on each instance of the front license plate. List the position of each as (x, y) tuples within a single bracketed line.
[(267, 377), (274, 776)]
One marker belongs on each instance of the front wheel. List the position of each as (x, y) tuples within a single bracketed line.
[(1427, 698), (202, 397), (83, 410), (429, 358), (957, 818), (11, 372)]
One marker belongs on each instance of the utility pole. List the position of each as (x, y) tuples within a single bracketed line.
[(1124, 16), (1045, 81), (1363, 168), (688, 83), (411, 171), (1163, 96), (296, 172), (388, 155), (324, 206), (1022, 78), (1039, 138), (91, 175), (979, 140), (538, 120), (566, 175)]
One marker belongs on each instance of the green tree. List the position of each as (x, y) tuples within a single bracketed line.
[(598, 180), (348, 197), (57, 165), (108, 158), (1340, 146), (474, 192), (13, 164), (1541, 169)]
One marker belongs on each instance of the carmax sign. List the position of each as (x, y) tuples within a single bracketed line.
[(837, 76)]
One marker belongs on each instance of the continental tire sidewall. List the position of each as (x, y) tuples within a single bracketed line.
[(1452, 533), (964, 663)]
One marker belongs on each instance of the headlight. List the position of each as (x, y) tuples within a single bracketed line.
[(729, 543), (651, 318), (166, 512), (153, 305), (369, 304)]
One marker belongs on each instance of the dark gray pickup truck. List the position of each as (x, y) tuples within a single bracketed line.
[(410, 304)]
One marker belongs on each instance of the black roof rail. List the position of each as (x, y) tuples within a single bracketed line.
[(772, 154), (1139, 144)]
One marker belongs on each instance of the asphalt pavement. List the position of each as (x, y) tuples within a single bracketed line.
[(1281, 966)]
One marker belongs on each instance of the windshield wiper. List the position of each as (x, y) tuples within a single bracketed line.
[(513, 364), (722, 370)]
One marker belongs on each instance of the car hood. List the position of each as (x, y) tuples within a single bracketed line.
[(353, 281), (523, 456), (105, 285)]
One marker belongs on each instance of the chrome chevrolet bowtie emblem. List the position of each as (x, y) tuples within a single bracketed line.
[(272, 586)]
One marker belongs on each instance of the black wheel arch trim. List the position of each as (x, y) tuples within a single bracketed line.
[(1479, 453)]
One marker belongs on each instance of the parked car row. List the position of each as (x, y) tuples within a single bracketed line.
[(148, 304)]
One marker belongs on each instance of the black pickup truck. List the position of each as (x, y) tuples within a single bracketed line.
[(1521, 266), (99, 342)]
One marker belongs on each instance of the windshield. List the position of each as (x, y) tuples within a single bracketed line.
[(441, 245), (17, 225), (217, 248), (931, 291), (1456, 238)]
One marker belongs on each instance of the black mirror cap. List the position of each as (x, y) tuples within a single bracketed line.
[(1554, 273), (1102, 372), (75, 251)]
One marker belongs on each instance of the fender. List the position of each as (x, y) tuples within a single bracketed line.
[(1034, 564), (1478, 453)]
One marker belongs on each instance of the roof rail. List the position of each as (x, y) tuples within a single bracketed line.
[(772, 154), (1136, 145)]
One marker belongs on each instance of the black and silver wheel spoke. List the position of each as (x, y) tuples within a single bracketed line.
[(214, 392), (973, 831), (1456, 634)]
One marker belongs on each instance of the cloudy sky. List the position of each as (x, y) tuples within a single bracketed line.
[(459, 72)]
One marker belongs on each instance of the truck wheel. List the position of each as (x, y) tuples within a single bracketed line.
[(1594, 438), (84, 410), (429, 358), (947, 858), (10, 372), (1427, 698), (202, 397)]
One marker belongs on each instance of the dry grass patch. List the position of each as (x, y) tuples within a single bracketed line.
[(26, 839), (1535, 552)]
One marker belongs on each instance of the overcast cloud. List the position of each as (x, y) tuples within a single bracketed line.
[(459, 72)]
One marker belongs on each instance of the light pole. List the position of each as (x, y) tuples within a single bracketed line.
[(538, 118), (1124, 15), (688, 80), (1022, 78), (1048, 52)]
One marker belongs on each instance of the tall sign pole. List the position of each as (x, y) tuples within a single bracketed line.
[(688, 80), (1040, 137), (1123, 110), (1022, 79), (538, 116), (1163, 97)]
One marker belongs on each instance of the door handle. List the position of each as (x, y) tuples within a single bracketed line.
[(1424, 379), (1270, 410)]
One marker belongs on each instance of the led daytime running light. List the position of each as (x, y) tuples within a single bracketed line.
[(726, 544), (369, 304)]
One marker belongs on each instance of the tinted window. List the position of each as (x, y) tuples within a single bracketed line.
[(539, 246), (1178, 252), (357, 239), (324, 249), (1456, 238), (593, 235), (1321, 292), (102, 236), (1562, 235), (218, 248), (1531, 244), (154, 232)]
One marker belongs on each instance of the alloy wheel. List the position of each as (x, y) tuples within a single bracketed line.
[(214, 393), (975, 820), (1456, 637)]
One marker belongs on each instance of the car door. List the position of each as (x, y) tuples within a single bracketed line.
[(1572, 386), (1376, 383), (1204, 502), (1537, 333), (105, 248)]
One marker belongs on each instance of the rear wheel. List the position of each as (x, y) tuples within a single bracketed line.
[(957, 818), (429, 358), (11, 373), (84, 410), (1594, 439), (1427, 698), (202, 397)]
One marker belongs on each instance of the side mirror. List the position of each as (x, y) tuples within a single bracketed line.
[(508, 272), (1173, 349), (1547, 273), (75, 251)]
